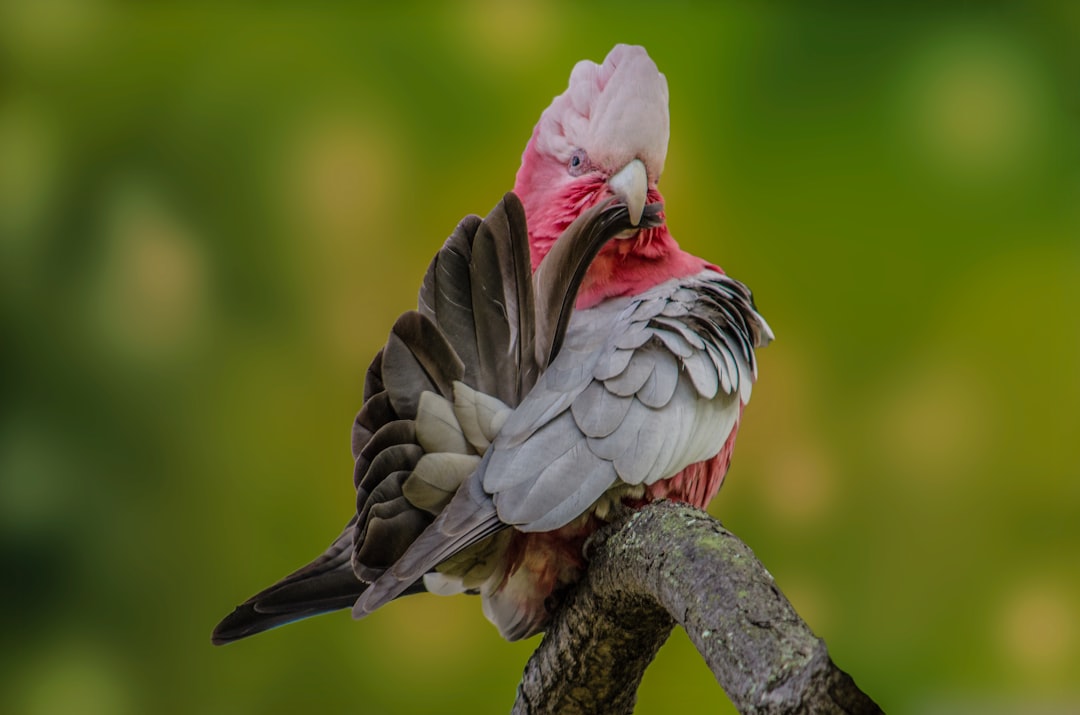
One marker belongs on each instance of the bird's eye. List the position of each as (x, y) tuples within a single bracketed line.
[(578, 163)]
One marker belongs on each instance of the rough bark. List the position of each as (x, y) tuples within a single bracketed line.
[(665, 564)]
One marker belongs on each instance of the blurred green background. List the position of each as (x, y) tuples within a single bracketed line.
[(211, 213)]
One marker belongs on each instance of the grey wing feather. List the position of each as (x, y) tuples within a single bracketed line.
[(392, 432), (634, 377), (658, 389), (418, 358), (612, 363), (702, 371), (638, 461), (496, 338), (598, 411), (543, 502), (446, 292)]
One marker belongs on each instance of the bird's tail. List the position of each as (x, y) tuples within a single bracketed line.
[(326, 584)]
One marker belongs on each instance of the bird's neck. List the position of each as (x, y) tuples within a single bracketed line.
[(624, 266), (631, 266)]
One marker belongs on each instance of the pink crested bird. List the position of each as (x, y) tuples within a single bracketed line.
[(566, 357)]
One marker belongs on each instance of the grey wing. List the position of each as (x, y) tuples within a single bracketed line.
[(661, 392)]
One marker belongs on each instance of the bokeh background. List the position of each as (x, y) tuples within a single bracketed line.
[(211, 213)]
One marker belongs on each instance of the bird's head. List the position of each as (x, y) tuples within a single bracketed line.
[(607, 134)]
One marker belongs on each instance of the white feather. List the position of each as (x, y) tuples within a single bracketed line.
[(437, 426)]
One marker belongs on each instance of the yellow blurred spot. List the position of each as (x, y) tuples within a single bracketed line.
[(51, 30), (444, 624), (784, 398), (504, 35), (340, 184), (799, 482), (341, 171), (150, 294), (1038, 625), (973, 105), (935, 425)]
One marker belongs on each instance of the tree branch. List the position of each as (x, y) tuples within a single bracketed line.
[(670, 563)]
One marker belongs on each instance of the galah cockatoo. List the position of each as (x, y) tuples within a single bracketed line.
[(566, 358)]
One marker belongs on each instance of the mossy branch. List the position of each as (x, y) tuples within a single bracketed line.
[(670, 563)]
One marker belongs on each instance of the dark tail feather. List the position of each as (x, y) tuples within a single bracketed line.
[(326, 584), (286, 602)]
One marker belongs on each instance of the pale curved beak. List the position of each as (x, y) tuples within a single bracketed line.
[(631, 184)]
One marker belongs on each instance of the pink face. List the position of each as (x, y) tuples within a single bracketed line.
[(606, 134), (554, 197)]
